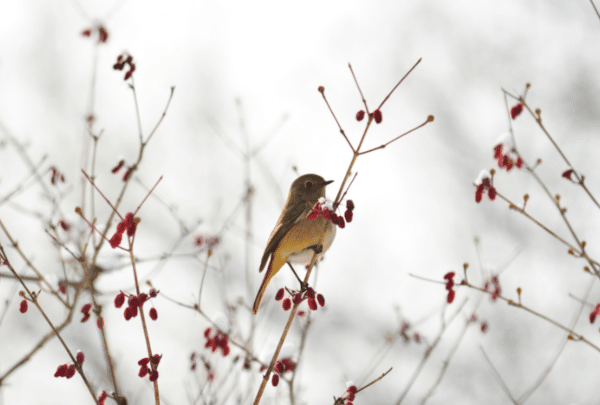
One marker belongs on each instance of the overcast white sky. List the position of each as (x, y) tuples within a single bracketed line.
[(415, 200)]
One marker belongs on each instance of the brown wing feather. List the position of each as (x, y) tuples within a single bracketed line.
[(287, 219)]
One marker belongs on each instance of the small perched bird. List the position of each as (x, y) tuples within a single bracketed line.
[(295, 239)]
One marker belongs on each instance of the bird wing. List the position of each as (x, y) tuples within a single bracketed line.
[(286, 221)]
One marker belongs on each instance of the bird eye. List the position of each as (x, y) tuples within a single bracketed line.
[(308, 185)]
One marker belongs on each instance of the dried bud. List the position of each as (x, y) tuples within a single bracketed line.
[(321, 89)]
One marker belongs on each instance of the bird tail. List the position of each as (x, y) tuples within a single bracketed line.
[(272, 269)]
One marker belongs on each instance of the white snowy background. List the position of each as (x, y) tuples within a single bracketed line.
[(260, 63)]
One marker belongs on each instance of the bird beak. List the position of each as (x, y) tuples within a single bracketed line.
[(328, 182)]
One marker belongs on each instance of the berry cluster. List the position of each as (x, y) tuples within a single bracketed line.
[(118, 168), (449, 277), (122, 61), (210, 241), (102, 33), (56, 176), (595, 312), (282, 366), (65, 370), (350, 394), (406, 334), (134, 302), (128, 224), (506, 154), (483, 325), (492, 285), (376, 116), (151, 371), (218, 340), (485, 181), (310, 295), (325, 208)]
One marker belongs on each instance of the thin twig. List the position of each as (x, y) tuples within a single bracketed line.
[(498, 377), (400, 82)]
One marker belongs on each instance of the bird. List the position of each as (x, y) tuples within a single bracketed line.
[(296, 239)]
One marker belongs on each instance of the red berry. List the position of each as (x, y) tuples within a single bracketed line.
[(350, 205), (287, 304), (341, 223), (516, 110), (86, 308), (102, 34), (143, 371), (450, 298), (314, 214), (23, 306), (275, 380), (312, 304), (348, 215), (279, 295), (498, 151), (450, 275), (115, 241), (478, 197), (156, 359), (71, 371), (321, 300), (377, 116), (153, 314), (360, 115), (567, 174), (519, 163), (119, 300), (310, 293), (492, 193), (80, 357), (61, 371), (297, 298)]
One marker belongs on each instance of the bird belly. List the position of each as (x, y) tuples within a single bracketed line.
[(304, 236)]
